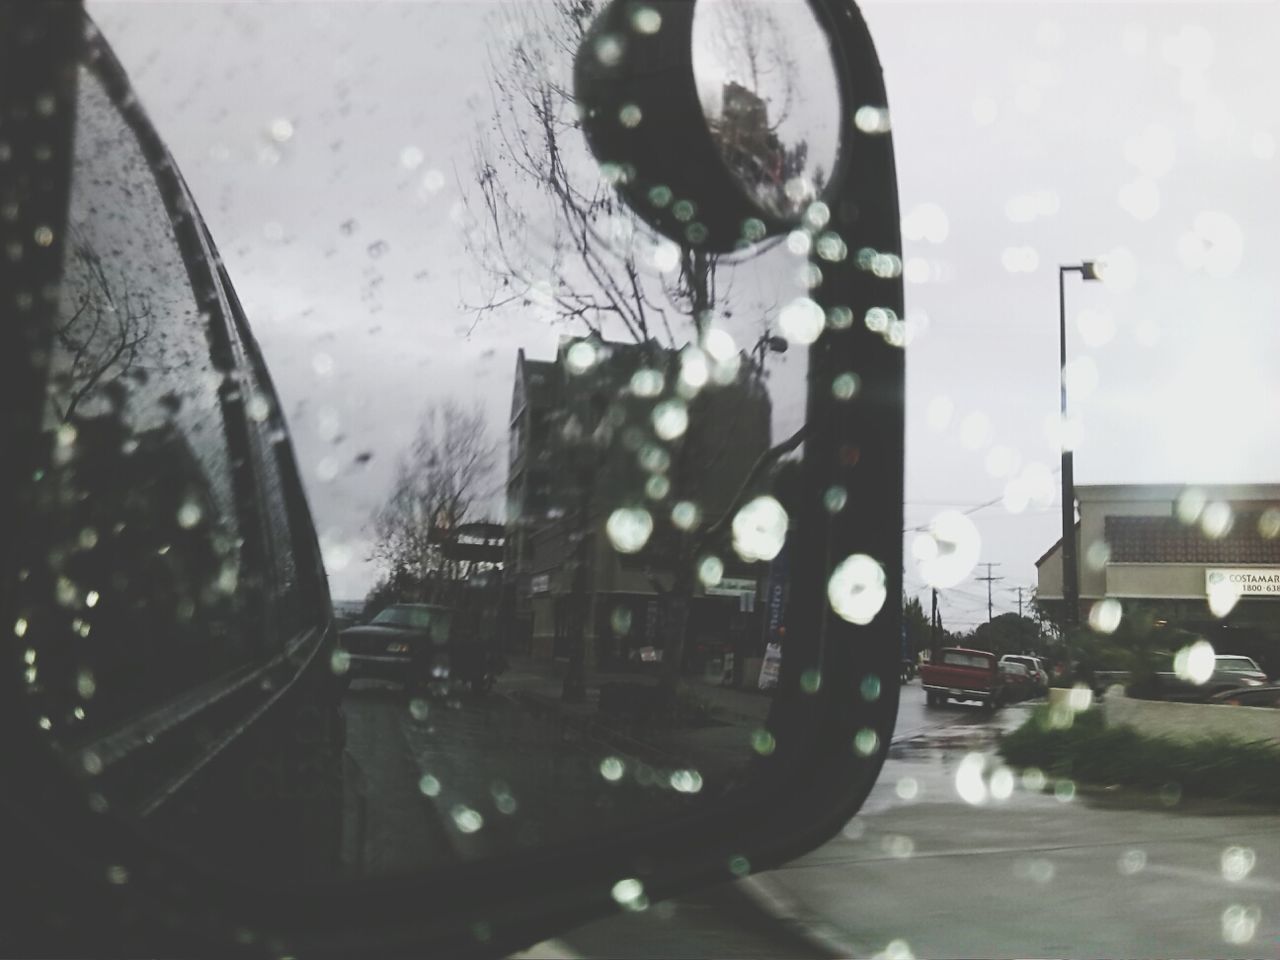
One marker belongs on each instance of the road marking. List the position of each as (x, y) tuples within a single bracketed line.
[(547, 950), (1260, 884)]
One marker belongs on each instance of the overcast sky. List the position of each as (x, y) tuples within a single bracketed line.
[(326, 143)]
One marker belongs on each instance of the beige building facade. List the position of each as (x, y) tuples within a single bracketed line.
[(1206, 558)]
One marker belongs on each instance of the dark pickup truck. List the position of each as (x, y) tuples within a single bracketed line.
[(959, 674)]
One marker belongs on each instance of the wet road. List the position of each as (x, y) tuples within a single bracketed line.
[(950, 857)]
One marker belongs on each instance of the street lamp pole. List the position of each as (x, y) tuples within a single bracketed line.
[(1088, 270)]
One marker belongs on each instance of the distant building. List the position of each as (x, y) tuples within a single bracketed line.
[(583, 443), (1205, 558)]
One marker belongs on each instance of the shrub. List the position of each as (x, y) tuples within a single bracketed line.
[(1092, 752)]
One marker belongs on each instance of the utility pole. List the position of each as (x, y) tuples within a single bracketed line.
[(1019, 603), (988, 580), (933, 624)]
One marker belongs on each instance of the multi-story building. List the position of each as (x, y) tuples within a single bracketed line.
[(611, 428)]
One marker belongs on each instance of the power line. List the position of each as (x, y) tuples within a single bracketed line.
[(989, 580)]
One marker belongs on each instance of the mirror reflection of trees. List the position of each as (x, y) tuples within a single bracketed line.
[(767, 97), (101, 340)]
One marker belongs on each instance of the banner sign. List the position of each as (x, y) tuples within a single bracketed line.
[(1244, 581)]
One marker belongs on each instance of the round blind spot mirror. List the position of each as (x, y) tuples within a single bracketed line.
[(770, 97)]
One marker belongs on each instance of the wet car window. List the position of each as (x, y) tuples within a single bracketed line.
[(139, 505)]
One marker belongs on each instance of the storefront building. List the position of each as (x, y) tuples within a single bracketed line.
[(1202, 558)]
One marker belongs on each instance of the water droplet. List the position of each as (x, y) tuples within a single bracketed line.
[(947, 551), (466, 819), (629, 529), (1001, 785), (1064, 791), (811, 680), (1195, 662), (802, 321), (117, 875), (685, 515), (339, 662), (91, 762), (657, 487), (1105, 615), (908, 788), (760, 529), (612, 769), (581, 357), (609, 50), (43, 236), (646, 20), (629, 894), (710, 571), (377, 248), (630, 115), (281, 130), (694, 370), (845, 386), (872, 120), (739, 866), (970, 784), (670, 419), (865, 742), (834, 499), (647, 383), (1237, 863), (189, 515), (1132, 862), (1240, 923), (762, 742), (856, 589), (870, 688), (411, 158), (429, 785), (20, 627)]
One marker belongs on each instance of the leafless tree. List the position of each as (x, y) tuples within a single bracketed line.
[(102, 339), (544, 221), (441, 482)]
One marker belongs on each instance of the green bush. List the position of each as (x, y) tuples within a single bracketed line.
[(1092, 752)]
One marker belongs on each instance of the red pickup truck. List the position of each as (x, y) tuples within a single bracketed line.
[(959, 674)]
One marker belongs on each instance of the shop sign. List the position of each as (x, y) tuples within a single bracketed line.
[(732, 587), (1244, 581), (540, 583)]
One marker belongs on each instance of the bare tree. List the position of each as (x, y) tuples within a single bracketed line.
[(545, 223), (441, 482), (102, 339)]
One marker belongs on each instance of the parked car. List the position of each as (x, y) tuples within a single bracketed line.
[(1265, 696), (1036, 669), (405, 643), (417, 645), (1016, 682), (957, 673), (1230, 672)]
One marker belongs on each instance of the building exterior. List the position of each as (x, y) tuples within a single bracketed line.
[(1203, 558), (585, 443)]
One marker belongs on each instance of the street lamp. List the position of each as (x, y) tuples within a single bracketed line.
[(1088, 270)]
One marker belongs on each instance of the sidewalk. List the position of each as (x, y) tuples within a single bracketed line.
[(720, 748)]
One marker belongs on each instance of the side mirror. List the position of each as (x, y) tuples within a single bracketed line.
[(189, 732)]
